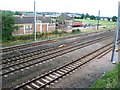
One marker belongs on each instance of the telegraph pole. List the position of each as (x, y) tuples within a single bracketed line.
[(98, 19), (34, 20), (116, 33)]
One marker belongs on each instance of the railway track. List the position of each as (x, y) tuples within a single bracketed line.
[(35, 59), (33, 50), (42, 47), (23, 46), (56, 74), (39, 51)]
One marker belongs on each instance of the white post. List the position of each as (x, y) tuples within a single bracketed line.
[(34, 20)]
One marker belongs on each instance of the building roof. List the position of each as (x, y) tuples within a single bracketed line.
[(29, 20), (64, 17)]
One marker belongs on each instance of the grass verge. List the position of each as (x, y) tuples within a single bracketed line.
[(109, 79), (86, 30)]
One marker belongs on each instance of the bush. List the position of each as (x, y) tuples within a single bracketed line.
[(58, 31), (76, 30), (23, 37), (55, 31)]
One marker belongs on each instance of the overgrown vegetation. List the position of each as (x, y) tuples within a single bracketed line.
[(23, 37), (74, 31), (20, 39), (109, 80), (7, 25), (58, 31)]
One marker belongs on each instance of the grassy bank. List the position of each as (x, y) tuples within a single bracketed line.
[(16, 42), (109, 79), (49, 36)]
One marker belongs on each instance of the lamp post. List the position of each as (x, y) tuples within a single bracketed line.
[(34, 20), (98, 19)]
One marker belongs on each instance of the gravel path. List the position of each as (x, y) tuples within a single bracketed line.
[(86, 75)]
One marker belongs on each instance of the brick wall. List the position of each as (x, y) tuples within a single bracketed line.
[(44, 28)]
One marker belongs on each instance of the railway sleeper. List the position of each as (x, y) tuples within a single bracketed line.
[(45, 80), (49, 78), (35, 86), (27, 87), (60, 72)]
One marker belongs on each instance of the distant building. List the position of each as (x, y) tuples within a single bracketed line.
[(26, 23), (64, 22)]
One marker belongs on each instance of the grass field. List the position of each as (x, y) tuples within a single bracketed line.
[(102, 22), (109, 80)]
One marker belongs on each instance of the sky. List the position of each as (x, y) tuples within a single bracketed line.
[(107, 8)]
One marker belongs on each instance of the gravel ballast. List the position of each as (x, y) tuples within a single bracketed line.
[(86, 75)]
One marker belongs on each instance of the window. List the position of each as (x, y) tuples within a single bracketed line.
[(28, 27)]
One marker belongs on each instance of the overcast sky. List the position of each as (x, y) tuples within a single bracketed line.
[(107, 7)]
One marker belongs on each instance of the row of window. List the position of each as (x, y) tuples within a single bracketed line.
[(28, 27)]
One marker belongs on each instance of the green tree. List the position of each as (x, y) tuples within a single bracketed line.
[(7, 25), (92, 17), (114, 18), (87, 15), (82, 16), (108, 19), (17, 13)]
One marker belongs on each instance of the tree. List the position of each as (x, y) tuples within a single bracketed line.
[(77, 17), (87, 15), (92, 17), (82, 16), (17, 13), (108, 19), (7, 25), (114, 18)]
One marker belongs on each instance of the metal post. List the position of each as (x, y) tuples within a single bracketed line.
[(98, 19), (116, 34), (115, 41), (47, 31), (34, 20)]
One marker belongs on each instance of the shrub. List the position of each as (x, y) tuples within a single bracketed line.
[(23, 37), (76, 30), (58, 31), (55, 31)]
